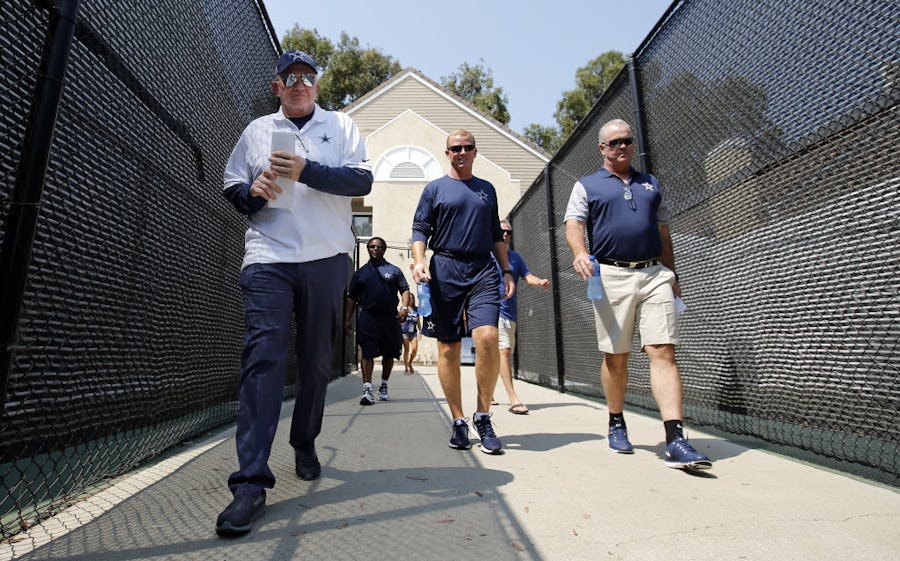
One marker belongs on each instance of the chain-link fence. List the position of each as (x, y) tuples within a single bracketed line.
[(129, 332), (773, 129)]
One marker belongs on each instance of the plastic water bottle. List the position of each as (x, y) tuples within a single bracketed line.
[(424, 299), (595, 284)]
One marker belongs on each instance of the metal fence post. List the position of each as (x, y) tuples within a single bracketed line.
[(554, 274)]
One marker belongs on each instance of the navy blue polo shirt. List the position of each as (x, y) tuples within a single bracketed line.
[(377, 295), (618, 228)]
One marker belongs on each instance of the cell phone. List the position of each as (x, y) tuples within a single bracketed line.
[(283, 141)]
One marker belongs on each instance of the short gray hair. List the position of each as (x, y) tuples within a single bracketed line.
[(609, 124)]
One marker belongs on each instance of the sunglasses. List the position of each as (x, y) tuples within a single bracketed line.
[(308, 79), (507, 232), (460, 147), (616, 142), (376, 247)]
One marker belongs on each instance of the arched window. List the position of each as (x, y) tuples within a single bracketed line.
[(407, 163)]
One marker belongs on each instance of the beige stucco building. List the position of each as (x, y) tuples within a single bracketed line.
[(405, 123)]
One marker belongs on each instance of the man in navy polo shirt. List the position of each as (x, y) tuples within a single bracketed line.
[(295, 263), (374, 288), (457, 216), (627, 225)]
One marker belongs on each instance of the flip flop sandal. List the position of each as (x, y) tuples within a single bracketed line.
[(518, 409)]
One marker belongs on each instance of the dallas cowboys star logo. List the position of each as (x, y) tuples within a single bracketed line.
[(430, 325), (387, 276), (482, 195), (325, 139), (648, 186)]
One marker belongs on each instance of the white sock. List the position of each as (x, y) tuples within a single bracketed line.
[(479, 415)]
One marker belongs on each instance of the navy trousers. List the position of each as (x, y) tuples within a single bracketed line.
[(312, 292)]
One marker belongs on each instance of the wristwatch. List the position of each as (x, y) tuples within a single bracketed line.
[(507, 272)]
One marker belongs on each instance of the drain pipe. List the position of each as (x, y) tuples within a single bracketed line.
[(639, 126), (21, 222)]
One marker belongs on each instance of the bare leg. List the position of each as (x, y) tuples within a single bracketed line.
[(387, 364), (413, 349), (406, 360), (448, 372), (368, 364), (614, 378), (487, 364), (506, 376), (665, 381)]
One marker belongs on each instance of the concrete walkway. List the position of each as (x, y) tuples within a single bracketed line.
[(392, 489)]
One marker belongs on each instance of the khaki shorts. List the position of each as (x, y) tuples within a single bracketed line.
[(635, 296), (507, 331)]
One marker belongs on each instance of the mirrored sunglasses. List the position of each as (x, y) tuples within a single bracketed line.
[(308, 79), (616, 142), (460, 147)]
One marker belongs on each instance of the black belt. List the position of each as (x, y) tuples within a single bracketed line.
[(628, 264)]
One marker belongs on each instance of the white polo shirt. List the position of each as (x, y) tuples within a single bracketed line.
[(318, 224)]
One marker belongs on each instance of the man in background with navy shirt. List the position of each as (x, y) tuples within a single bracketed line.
[(295, 263), (627, 225), (374, 288), (457, 216)]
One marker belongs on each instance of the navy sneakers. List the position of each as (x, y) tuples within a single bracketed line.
[(459, 435), (681, 455), (490, 444), (237, 518), (618, 440)]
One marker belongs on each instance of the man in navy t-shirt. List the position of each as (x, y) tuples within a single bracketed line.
[(628, 228), (374, 288), (457, 216)]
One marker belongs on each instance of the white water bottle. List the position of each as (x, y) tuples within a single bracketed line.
[(595, 283)]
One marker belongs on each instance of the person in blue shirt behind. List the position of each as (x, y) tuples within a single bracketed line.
[(296, 263), (628, 229), (508, 317), (457, 217), (374, 288)]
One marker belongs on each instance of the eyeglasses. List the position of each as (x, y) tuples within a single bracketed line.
[(308, 79), (629, 197), (460, 147), (616, 142), (376, 247)]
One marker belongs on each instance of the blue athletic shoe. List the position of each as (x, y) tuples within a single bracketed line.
[(680, 455), (618, 440), (490, 444), (459, 435)]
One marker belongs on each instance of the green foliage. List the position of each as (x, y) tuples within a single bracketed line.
[(590, 81), (475, 84), (547, 138), (347, 71)]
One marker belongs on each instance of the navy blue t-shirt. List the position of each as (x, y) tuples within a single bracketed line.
[(519, 270), (377, 295), (460, 217)]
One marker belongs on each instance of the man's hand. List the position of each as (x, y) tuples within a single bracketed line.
[(420, 273), (264, 186), (582, 265), (286, 164)]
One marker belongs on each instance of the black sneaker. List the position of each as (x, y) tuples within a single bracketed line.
[(490, 444), (237, 518), (459, 435), (383, 394), (307, 464)]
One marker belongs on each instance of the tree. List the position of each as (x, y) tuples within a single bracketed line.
[(475, 84), (591, 81), (347, 71), (547, 138)]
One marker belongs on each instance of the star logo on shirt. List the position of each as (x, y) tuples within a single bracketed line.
[(430, 325), (325, 139), (648, 186), (387, 276), (482, 195)]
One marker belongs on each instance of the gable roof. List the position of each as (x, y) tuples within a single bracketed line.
[(411, 73)]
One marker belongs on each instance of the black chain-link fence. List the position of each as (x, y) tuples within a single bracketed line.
[(773, 129), (130, 329)]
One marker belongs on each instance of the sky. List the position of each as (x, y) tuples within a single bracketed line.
[(533, 48)]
